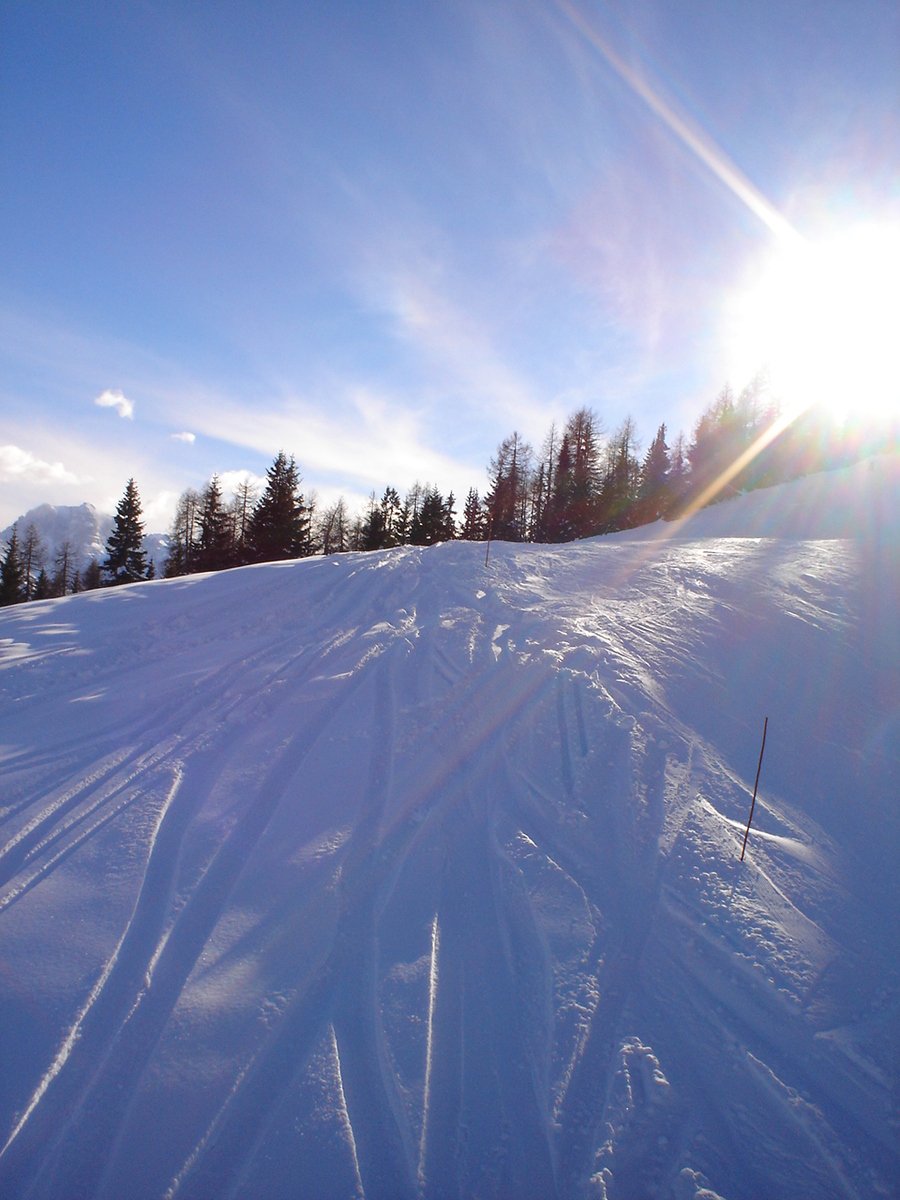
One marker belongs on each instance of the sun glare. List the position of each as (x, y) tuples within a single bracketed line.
[(823, 319)]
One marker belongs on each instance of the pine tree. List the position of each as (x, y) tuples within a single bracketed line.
[(373, 526), (392, 517), (716, 444), (12, 574), (473, 521), (310, 543), (430, 524), (678, 478), (558, 520), (91, 577), (214, 542), (618, 491), (65, 574), (182, 556), (333, 527), (241, 512), (755, 412), (578, 515), (403, 524), (653, 498), (411, 510), (278, 526), (125, 558), (43, 589), (355, 534), (507, 499), (448, 519), (31, 554), (542, 487)]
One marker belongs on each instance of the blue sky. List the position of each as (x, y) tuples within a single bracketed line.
[(383, 235)]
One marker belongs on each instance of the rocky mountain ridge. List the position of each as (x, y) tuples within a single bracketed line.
[(86, 530)]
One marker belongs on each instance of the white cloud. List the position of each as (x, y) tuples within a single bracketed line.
[(364, 439), (190, 438), (460, 345), (17, 464), (156, 509), (113, 398), (230, 481)]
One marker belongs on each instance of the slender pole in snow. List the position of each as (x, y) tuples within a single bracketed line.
[(487, 549), (755, 786)]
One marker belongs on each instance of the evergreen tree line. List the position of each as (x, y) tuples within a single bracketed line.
[(584, 483), (581, 483), (26, 574), (209, 534)]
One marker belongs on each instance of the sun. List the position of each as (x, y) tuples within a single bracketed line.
[(823, 319)]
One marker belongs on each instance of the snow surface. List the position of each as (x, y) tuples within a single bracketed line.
[(402, 875)]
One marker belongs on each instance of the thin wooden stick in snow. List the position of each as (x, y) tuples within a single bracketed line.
[(755, 786)]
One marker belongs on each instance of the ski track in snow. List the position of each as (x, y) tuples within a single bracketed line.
[(396, 875)]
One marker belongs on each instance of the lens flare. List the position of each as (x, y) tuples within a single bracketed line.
[(822, 318)]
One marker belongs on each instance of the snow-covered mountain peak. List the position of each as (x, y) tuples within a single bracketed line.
[(82, 527)]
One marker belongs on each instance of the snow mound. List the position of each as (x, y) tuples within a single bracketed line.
[(403, 875)]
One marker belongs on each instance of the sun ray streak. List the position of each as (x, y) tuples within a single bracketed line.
[(709, 493), (698, 142)]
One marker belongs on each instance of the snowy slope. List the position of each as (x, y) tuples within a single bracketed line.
[(400, 875)]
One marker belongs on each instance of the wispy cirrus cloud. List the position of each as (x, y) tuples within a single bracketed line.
[(429, 319), (364, 436), (114, 398), (185, 436)]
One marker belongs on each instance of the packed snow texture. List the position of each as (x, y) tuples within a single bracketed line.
[(405, 875)]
